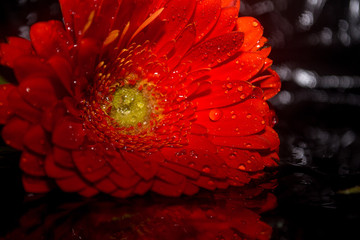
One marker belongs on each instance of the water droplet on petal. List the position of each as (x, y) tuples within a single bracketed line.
[(215, 114), (241, 167), (229, 85), (206, 169), (255, 23)]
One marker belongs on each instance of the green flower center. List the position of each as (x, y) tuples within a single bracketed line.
[(129, 107)]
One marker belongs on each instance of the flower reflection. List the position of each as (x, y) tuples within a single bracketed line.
[(224, 215)]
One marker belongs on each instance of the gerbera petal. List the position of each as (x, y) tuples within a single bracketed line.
[(122, 193), (105, 185), (15, 48), (31, 66), (214, 51), (68, 133), (223, 93), (88, 191), (182, 44), (170, 22), (268, 139), (205, 182), (91, 166), (206, 15), (32, 164), (63, 70), (244, 67), (50, 38), (52, 115), (270, 84), (143, 166), (252, 29), (242, 160), (124, 181), (37, 140), (36, 184), (184, 170), (71, 184), (121, 166), (225, 121), (39, 92), (168, 189), (143, 186), (226, 21), (199, 155), (169, 176), (14, 131), (55, 170), (63, 158), (22, 108), (5, 110)]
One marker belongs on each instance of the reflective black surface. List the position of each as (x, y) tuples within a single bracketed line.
[(316, 46)]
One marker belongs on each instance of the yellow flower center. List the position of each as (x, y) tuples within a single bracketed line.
[(129, 107)]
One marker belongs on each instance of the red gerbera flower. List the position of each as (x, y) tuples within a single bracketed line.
[(131, 96)]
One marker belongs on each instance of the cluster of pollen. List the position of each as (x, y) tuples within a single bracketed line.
[(129, 107)]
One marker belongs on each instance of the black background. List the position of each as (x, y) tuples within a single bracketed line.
[(316, 50)]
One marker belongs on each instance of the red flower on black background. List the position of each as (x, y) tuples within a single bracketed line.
[(131, 96)]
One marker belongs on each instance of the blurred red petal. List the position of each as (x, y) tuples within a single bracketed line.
[(68, 133), (32, 164), (252, 29), (36, 184), (15, 48), (22, 108), (14, 131), (37, 140), (5, 110)]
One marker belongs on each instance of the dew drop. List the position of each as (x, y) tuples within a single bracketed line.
[(248, 116), (206, 169), (191, 164), (232, 156), (211, 183), (215, 114), (229, 85), (241, 167), (240, 88), (255, 24)]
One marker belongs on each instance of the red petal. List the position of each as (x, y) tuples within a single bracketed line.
[(63, 157), (52, 115), (214, 51), (22, 108), (230, 3), (270, 84), (124, 182), (170, 22), (244, 67), (200, 155), (232, 122), (122, 193), (242, 160), (91, 164), (55, 170), (226, 22), (88, 191), (141, 165), (190, 189), (14, 131), (167, 189), (71, 184), (31, 66), (185, 171), (252, 29), (15, 48), (39, 92), (223, 93), (36, 140), (32, 164), (50, 38), (121, 166), (142, 187), (206, 15), (36, 184), (68, 133), (5, 110), (205, 182), (106, 186), (64, 72), (183, 43), (170, 176), (268, 139)]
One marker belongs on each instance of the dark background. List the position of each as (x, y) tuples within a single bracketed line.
[(316, 46)]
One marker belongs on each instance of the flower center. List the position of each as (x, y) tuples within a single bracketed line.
[(129, 107)]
